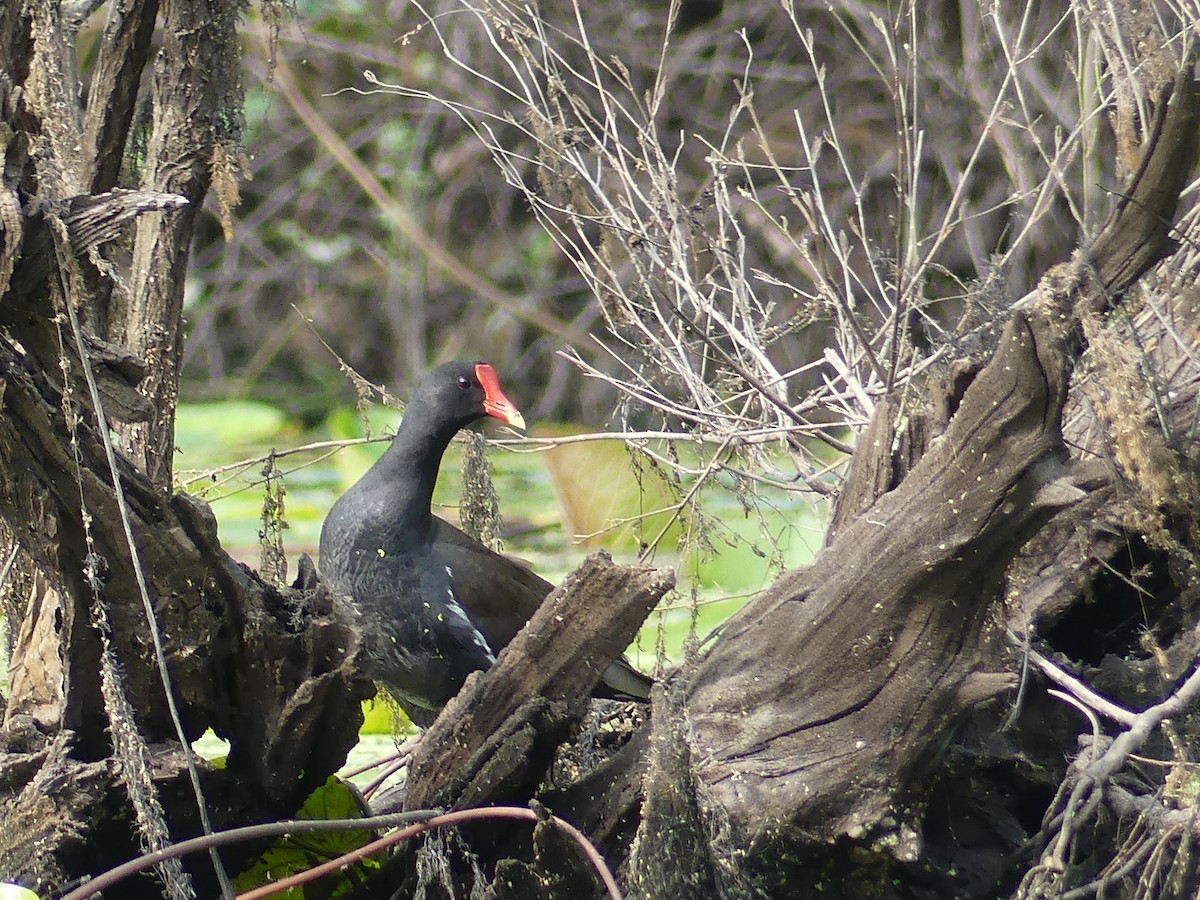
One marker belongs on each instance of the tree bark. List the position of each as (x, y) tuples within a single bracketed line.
[(193, 142), (899, 603)]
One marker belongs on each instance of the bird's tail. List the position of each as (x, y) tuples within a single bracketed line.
[(621, 681)]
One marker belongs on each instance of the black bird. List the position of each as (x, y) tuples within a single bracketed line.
[(435, 604)]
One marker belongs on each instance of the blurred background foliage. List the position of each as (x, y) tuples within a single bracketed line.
[(385, 221)]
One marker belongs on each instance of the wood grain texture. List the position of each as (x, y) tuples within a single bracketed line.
[(815, 726)]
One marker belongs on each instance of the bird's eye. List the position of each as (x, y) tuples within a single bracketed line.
[(464, 382)]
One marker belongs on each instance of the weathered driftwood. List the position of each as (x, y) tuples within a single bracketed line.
[(823, 731), (275, 676), (883, 640), (91, 283)]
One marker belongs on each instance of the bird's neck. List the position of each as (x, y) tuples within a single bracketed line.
[(409, 468)]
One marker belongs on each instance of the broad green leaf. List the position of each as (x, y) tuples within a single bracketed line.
[(299, 852)]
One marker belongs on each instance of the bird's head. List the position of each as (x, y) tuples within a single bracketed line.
[(466, 391)]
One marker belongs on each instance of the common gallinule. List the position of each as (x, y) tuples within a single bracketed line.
[(435, 604)]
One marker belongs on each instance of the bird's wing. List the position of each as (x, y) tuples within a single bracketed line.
[(501, 594), (421, 642)]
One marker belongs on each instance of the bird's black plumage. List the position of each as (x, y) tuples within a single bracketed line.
[(435, 605)]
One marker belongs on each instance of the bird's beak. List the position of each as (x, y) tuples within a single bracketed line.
[(494, 402)]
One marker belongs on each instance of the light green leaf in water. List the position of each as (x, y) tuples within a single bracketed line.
[(746, 560), (202, 427), (676, 624), (600, 494), (16, 892), (383, 717)]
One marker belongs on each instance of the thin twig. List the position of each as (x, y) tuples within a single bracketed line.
[(240, 835), (1081, 691), (160, 656), (458, 817)]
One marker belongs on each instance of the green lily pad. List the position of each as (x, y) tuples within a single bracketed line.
[(347, 424), (203, 427)]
